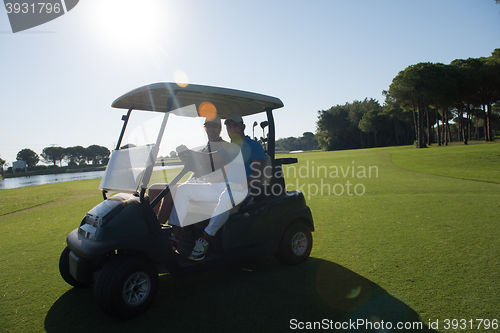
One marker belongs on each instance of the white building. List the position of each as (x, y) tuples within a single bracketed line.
[(19, 165)]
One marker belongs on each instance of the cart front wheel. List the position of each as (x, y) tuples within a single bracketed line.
[(126, 286)]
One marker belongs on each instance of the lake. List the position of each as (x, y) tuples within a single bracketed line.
[(9, 183), (48, 179)]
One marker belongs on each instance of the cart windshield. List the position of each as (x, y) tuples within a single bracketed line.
[(148, 152)]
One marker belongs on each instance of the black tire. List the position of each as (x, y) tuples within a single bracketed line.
[(64, 270), (126, 286), (296, 244)]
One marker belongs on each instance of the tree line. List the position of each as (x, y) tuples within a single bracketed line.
[(308, 141), (78, 155), (426, 103)]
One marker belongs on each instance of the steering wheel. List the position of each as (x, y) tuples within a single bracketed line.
[(198, 162), (188, 158)]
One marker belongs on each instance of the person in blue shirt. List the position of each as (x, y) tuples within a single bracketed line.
[(245, 161)]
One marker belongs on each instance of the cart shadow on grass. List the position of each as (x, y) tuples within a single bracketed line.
[(262, 295)]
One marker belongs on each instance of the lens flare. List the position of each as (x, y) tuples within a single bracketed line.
[(207, 110), (354, 293), (181, 78), (340, 288)]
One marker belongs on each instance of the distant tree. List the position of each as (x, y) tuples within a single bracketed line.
[(419, 97), (442, 95), (481, 81), (53, 154), (127, 146), (29, 156), (2, 163), (400, 121), (173, 153), (373, 121), (399, 96), (415, 88), (467, 74), (96, 153), (338, 127), (356, 111), (334, 129), (495, 119), (288, 143), (299, 144), (490, 87), (75, 155), (309, 141)]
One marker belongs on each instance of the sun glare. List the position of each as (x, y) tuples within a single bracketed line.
[(127, 24), (181, 78)]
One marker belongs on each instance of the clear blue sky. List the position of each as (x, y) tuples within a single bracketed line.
[(58, 80)]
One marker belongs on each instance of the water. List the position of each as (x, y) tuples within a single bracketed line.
[(48, 179), (9, 183)]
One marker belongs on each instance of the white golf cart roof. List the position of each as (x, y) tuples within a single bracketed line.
[(156, 96)]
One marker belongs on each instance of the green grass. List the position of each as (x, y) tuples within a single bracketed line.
[(420, 243), (27, 197), (474, 161)]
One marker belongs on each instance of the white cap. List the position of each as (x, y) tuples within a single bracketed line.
[(234, 117)]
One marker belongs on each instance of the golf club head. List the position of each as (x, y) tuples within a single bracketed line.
[(253, 130)]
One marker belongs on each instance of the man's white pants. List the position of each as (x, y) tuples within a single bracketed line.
[(207, 192)]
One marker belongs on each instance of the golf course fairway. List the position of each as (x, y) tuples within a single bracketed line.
[(402, 235)]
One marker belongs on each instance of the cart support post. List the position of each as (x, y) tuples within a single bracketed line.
[(154, 152), (125, 119), (271, 144)]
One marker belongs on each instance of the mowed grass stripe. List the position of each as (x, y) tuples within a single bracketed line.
[(17, 199), (476, 161)]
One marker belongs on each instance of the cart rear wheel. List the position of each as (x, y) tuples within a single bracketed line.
[(126, 286), (296, 244)]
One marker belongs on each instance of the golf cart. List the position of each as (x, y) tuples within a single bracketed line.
[(120, 247)]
